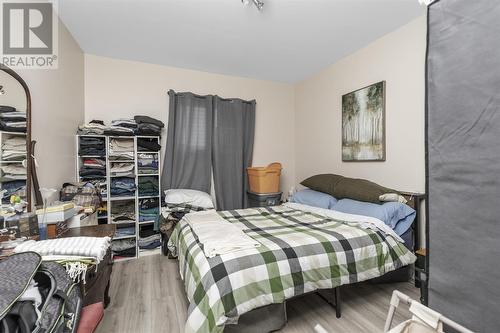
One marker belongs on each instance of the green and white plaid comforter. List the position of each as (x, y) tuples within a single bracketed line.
[(300, 252)]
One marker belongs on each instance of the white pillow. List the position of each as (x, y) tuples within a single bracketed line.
[(392, 197), (191, 197)]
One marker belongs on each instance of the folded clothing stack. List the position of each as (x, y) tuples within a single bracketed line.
[(12, 120), (93, 168), (126, 127), (13, 172), (92, 146), (125, 231), (148, 126), (121, 169), (149, 210), (148, 144), (121, 149), (148, 186), (149, 238), (123, 248), (16, 187), (150, 242), (123, 212), (14, 148), (122, 186), (94, 127), (147, 163)]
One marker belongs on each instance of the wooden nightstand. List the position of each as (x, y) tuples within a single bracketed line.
[(422, 274)]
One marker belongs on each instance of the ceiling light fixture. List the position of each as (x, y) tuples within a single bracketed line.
[(258, 3)]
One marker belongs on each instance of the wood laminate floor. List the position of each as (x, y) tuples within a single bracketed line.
[(147, 295)]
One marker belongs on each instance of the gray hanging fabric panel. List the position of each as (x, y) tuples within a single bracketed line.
[(463, 161)]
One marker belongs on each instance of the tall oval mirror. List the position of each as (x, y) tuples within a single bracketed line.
[(15, 139)]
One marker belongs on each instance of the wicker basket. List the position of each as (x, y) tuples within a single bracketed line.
[(265, 179)]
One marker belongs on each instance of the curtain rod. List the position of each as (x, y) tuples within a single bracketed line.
[(171, 91)]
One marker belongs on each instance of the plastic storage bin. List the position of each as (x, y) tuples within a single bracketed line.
[(265, 179), (264, 199)]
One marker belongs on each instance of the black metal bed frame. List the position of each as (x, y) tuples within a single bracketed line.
[(420, 282)]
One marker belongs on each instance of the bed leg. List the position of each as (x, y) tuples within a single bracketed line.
[(336, 304), (338, 310)]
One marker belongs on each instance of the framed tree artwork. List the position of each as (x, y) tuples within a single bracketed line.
[(363, 124)]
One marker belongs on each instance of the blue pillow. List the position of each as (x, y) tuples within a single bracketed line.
[(314, 198), (396, 215)]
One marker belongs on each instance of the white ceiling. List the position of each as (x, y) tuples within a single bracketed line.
[(288, 41)]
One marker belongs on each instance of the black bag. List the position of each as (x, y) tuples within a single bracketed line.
[(61, 299)]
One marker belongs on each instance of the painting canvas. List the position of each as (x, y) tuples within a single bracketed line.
[(363, 124)]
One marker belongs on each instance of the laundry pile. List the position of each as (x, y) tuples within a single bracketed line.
[(148, 126), (92, 146), (123, 212), (149, 210), (121, 149), (140, 125), (148, 144), (124, 248), (93, 168), (147, 163), (120, 169), (148, 238), (12, 120), (122, 187), (148, 186), (14, 148), (94, 127), (122, 127)]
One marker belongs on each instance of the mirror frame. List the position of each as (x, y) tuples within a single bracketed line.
[(29, 153)]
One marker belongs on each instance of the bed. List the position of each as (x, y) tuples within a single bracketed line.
[(302, 249)]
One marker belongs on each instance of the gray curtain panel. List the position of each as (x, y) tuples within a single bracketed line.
[(188, 156), (463, 161), (232, 150)]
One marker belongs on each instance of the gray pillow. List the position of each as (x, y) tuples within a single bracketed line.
[(342, 187)]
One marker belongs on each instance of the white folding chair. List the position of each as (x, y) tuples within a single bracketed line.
[(424, 320)]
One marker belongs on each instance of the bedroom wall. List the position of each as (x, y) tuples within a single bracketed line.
[(57, 110), (121, 89), (399, 59)]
